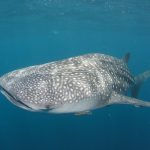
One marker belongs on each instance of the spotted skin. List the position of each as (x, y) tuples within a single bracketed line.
[(76, 84)]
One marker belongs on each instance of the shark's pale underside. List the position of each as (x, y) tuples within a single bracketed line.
[(74, 85)]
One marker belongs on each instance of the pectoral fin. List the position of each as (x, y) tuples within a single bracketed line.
[(121, 99)]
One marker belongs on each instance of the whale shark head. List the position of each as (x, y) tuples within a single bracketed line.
[(26, 88)]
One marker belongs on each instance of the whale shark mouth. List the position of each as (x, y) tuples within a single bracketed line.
[(7, 94), (13, 99)]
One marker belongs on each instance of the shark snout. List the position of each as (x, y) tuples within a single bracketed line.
[(9, 87), (5, 87)]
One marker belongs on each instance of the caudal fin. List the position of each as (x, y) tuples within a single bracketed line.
[(138, 82)]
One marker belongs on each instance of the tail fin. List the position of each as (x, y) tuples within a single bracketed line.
[(138, 82)]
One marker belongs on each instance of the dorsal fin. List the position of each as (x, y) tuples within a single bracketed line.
[(126, 57)]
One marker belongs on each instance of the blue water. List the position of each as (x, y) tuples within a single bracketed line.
[(39, 31)]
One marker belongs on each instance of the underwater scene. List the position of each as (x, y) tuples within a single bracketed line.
[(35, 32)]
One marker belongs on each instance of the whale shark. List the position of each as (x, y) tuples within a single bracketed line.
[(74, 85)]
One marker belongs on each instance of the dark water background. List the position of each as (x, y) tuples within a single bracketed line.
[(38, 31)]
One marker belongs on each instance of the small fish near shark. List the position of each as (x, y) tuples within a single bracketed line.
[(74, 85)]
